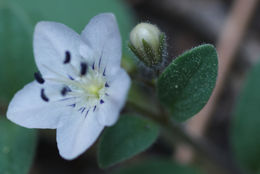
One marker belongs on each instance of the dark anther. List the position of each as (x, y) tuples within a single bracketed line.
[(93, 66), (104, 72), (73, 105), (71, 78), (65, 90), (94, 108), (83, 69), (106, 85), (86, 114), (43, 96), (83, 110), (38, 77), (67, 57), (101, 101)]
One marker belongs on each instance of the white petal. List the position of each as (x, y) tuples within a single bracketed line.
[(29, 110), (118, 88), (51, 41), (103, 36), (77, 134)]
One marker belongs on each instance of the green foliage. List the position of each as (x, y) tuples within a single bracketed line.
[(16, 62), (245, 124), (187, 83), (17, 20), (17, 147), (156, 167), (130, 136), (77, 13)]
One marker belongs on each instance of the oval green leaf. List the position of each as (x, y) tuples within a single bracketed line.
[(17, 147), (130, 136), (187, 83), (245, 127), (156, 167)]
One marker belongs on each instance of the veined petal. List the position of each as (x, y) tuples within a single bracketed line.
[(104, 38), (51, 41), (77, 134), (28, 109), (109, 111)]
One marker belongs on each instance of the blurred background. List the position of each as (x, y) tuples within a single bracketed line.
[(231, 25)]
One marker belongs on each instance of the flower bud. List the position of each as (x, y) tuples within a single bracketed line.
[(148, 43)]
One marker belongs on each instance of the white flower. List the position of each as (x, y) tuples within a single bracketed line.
[(81, 87)]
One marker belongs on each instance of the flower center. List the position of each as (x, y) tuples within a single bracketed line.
[(84, 92), (94, 90), (90, 88)]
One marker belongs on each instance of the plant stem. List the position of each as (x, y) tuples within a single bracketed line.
[(205, 150)]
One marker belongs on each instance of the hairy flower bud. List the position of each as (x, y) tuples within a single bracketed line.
[(148, 43)]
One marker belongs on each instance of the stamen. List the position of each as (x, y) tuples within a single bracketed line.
[(83, 69), (65, 90), (94, 108), (38, 78), (106, 85), (43, 96), (67, 57), (101, 101)]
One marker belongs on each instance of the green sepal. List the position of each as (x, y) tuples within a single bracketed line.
[(150, 54), (162, 47)]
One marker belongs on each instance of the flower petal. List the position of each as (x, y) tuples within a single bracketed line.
[(77, 134), (28, 109), (103, 36), (51, 41), (118, 88)]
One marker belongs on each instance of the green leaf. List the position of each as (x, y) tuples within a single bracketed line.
[(245, 127), (187, 83), (156, 167), (17, 148), (130, 136), (77, 13), (16, 62)]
